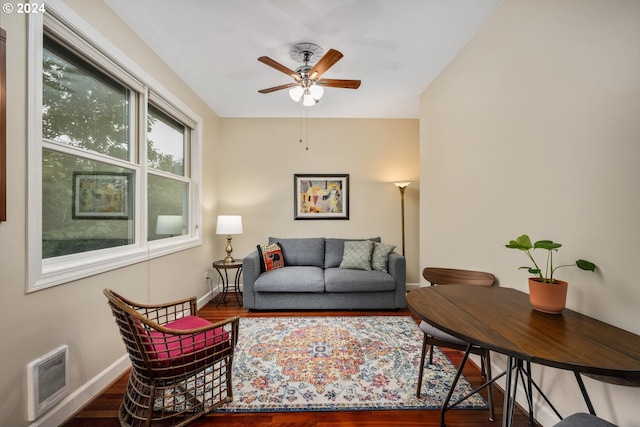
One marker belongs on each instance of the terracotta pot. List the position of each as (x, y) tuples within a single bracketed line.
[(548, 297)]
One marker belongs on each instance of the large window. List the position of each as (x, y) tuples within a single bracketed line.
[(111, 160), (83, 109)]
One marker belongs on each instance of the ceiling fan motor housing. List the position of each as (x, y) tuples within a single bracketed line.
[(307, 53)]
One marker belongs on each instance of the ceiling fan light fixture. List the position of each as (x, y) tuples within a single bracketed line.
[(307, 86), (308, 100), (296, 93), (316, 91)]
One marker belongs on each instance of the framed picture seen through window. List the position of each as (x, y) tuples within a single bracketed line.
[(101, 195)]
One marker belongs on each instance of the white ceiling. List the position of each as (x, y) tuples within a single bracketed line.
[(396, 47)]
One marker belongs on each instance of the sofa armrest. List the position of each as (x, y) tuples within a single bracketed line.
[(250, 272), (397, 267)]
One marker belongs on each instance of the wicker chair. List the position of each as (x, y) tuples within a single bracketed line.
[(181, 363)]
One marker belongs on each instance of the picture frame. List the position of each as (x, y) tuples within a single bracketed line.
[(321, 196), (101, 195)]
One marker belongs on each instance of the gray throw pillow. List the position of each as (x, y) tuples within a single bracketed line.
[(380, 256), (357, 255), (334, 249)]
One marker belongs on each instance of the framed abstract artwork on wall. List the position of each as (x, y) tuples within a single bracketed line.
[(321, 196)]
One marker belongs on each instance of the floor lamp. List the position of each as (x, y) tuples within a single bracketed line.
[(402, 186)]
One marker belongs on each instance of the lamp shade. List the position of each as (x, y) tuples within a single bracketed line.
[(308, 100), (296, 93), (402, 184), (229, 224), (169, 224), (316, 91)]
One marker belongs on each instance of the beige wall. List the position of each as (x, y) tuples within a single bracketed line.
[(262, 155), (76, 313), (534, 128)]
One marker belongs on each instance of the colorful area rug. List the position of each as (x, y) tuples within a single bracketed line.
[(337, 364)]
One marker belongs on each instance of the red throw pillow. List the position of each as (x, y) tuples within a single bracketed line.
[(168, 346), (270, 257)]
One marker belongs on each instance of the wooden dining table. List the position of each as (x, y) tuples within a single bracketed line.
[(502, 320)]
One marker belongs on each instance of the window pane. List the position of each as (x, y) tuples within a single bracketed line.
[(165, 143), (83, 107), (168, 207), (86, 205)]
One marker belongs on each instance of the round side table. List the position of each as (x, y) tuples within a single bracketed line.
[(221, 267)]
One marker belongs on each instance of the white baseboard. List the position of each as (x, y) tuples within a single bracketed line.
[(75, 401), (412, 286)]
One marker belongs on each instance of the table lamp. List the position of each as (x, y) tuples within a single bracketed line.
[(229, 224)]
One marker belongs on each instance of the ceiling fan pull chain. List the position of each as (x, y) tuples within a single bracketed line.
[(307, 128), (300, 125)]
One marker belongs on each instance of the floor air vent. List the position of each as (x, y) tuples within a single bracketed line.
[(47, 380)]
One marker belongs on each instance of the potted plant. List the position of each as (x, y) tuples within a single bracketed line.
[(546, 293)]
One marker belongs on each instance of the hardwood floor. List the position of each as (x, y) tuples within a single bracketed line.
[(102, 411)]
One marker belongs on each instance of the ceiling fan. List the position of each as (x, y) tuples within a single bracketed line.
[(308, 85)]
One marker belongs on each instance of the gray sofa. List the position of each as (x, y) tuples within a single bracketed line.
[(312, 279)]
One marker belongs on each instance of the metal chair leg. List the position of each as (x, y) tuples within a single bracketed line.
[(487, 371), (421, 371)]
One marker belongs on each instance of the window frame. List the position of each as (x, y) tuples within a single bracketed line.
[(66, 27)]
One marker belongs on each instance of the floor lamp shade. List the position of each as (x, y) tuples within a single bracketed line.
[(229, 224)]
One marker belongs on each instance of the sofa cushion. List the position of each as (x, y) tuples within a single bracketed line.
[(270, 257), (291, 279), (357, 255), (345, 280), (380, 256), (334, 248), (302, 251)]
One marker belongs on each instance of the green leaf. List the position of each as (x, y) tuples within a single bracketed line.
[(534, 271), (523, 243), (586, 265), (547, 244)]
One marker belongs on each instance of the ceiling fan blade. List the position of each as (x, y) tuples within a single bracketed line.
[(275, 88), (326, 62), (278, 66), (346, 84)]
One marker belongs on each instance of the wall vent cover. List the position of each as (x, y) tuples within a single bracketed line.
[(47, 381)]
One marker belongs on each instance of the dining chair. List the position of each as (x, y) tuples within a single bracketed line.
[(583, 420), (434, 336), (181, 363)]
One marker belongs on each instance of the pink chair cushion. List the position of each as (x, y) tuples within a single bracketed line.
[(167, 346)]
